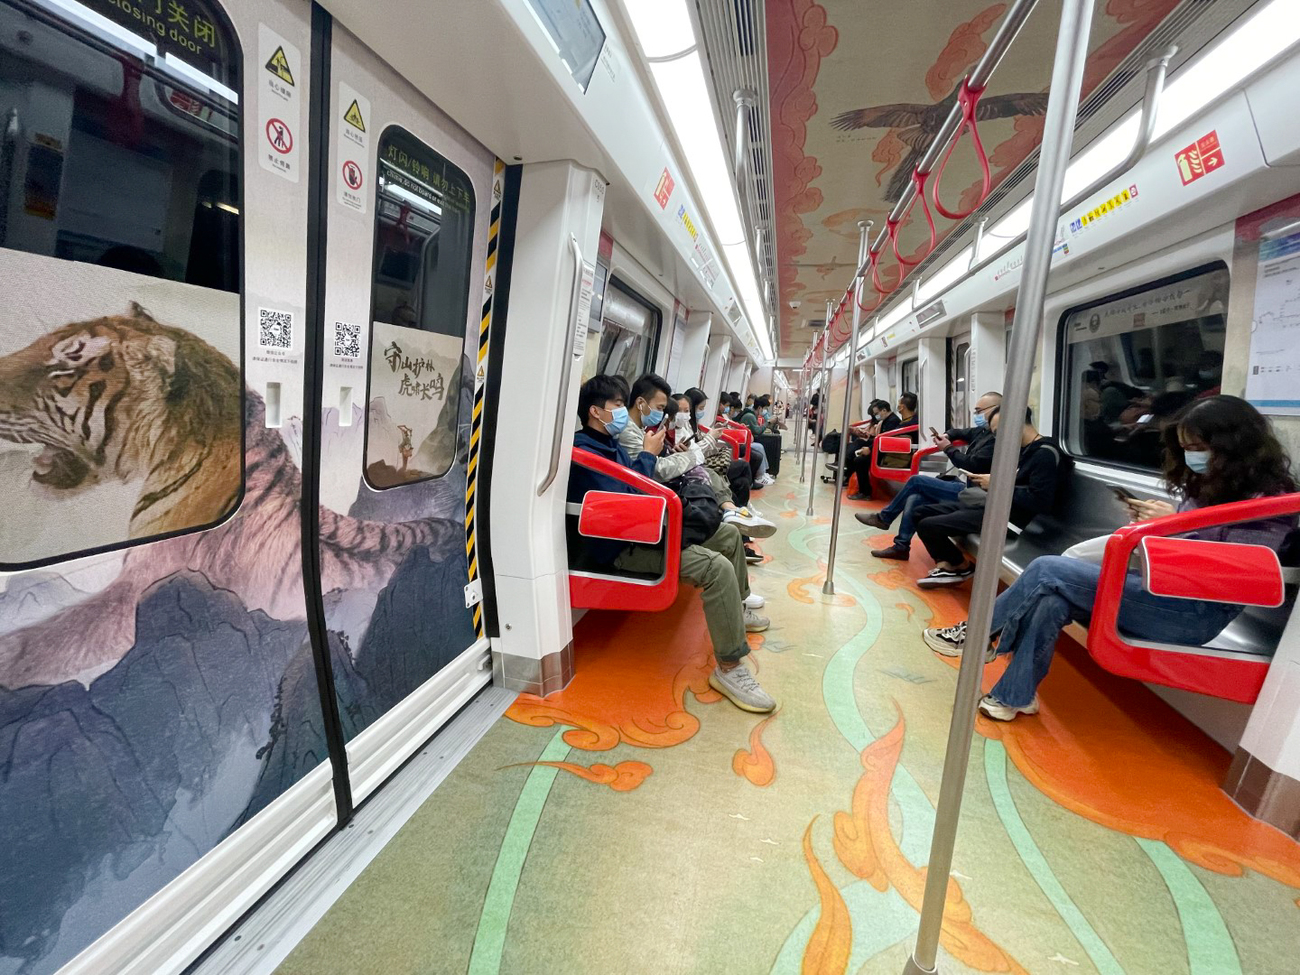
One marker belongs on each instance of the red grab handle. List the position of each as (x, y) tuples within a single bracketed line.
[(969, 99), (891, 226)]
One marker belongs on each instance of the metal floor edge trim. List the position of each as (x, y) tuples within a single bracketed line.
[(270, 933)]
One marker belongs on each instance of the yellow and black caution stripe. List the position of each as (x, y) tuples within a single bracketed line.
[(480, 383)]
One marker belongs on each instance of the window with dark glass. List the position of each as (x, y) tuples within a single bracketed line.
[(959, 400), (120, 231), (1132, 361), (424, 243), (629, 332), (908, 378)]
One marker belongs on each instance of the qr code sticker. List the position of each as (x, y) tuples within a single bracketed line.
[(347, 340), (275, 329)]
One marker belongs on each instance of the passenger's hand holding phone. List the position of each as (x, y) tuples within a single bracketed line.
[(1148, 510), (979, 480), (943, 443), (654, 441)]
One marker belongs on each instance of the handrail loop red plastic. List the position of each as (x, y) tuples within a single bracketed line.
[(891, 226), (969, 99)]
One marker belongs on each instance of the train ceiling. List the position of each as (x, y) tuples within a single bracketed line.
[(859, 87)]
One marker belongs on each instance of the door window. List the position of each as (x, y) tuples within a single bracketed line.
[(629, 332), (959, 399), (424, 240), (909, 377), (121, 395)]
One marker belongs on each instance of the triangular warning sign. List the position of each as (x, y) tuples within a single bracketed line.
[(353, 116), (279, 66)]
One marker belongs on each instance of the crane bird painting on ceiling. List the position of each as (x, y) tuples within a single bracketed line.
[(917, 124)]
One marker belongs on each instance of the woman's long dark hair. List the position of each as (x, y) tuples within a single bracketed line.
[(1246, 459), (696, 396)]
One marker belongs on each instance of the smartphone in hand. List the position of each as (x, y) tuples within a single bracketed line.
[(1123, 494), (934, 433)]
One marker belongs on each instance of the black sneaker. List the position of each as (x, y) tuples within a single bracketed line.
[(752, 556), (945, 577), (892, 552), (859, 496)]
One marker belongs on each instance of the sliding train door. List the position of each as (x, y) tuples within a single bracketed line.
[(162, 753), (409, 203)]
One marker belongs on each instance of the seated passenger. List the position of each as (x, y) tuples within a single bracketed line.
[(719, 457), (1038, 480), (921, 489), (1218, 450), (717, 566), (649, 396), (758, 425), (887, 422), (861, 434)]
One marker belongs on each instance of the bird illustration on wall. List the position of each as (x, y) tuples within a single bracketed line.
[(917, 124)]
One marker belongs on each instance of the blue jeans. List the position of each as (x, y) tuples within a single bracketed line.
[(917, 491), (760, 452), (1054, 590)]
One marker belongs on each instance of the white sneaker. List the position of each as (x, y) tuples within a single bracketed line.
[(755, 623), (740, 688), (755, 601), (998, 711), (951, 640), (755, 526), (766, 479)]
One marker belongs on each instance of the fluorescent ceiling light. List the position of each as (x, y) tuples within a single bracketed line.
[(949, 274), (690, 111), (663, 27), (742, 272)]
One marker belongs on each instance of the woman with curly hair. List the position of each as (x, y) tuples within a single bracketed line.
[(1216, 450)]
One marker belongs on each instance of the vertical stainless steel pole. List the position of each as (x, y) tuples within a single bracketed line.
[(823, 404), (828, 587), (803, 433), (1054, 156)]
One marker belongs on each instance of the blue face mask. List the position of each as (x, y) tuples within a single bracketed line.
[(1198, 461), (701, 416), (617, 421), (981, 420), (653, 418)]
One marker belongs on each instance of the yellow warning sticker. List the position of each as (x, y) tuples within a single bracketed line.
[(353, 116), (279, 66)]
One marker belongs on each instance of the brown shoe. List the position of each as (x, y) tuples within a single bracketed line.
[(871, 520), (892, 552)]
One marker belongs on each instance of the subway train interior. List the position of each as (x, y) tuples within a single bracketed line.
[(507, 486)]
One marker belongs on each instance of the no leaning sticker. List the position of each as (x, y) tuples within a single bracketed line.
[(352, 128), (278, 104)]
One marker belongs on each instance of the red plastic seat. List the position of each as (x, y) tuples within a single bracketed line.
[(651, 516), (893, 442), (738, 435), (1246, 575)]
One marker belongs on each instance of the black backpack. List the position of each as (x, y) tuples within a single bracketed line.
[(701, 513), (831, 442)]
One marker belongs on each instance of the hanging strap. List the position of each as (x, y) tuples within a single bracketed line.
[(891, 226), (969, 99)]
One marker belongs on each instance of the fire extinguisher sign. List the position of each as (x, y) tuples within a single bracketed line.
[(1201, 158)]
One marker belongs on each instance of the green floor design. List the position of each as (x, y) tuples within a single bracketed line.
[(512, 867)]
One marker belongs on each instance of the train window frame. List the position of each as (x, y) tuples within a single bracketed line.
[(1061, 405), (915, 363), (156, 69), (651, 351), (451, 390)]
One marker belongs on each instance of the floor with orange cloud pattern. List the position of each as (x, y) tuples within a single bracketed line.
[(636, 822)]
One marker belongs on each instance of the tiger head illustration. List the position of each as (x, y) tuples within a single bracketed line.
[(128, 398)]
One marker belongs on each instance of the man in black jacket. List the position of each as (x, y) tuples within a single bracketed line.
[(922, 489), (1038, 477)]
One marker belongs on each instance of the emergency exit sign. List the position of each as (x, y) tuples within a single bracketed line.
[(1201, 158)]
